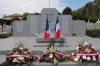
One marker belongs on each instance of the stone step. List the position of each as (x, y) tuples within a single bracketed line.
[(40, 39), (36, 52), (48, 44), (66, 64), (60, 64)]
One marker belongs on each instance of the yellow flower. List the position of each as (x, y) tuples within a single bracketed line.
[(25, 52)]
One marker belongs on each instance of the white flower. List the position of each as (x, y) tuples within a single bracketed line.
[(84, 57), (88, 58), (14, 60), (77, 47), (88, 50), (72, 54), (85, 43), (44, 52), (94, 58), (21, 48), (68, 55), (20, 58), (76, 59), (92, 47), (51, 55)]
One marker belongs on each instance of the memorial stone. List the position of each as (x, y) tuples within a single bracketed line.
[(97, 24), (7, 28), (35, 24), (19, 28), (79, 27), (90, 25)]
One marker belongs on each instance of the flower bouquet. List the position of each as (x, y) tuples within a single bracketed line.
[(85, 53), (19, 55), (51, 55)]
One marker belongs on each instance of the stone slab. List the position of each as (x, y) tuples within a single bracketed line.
[(2, 58), (40, 39), (66, 64), (29, 42), (35, 24), (48, 44), (79, 28)]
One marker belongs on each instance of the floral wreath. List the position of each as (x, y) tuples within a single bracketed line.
[(19, 55), (51, 55), (85, 53)]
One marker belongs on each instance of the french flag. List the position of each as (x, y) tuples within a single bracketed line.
[(47, 31), (57, 29)]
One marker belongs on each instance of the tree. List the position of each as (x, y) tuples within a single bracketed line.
[(36, 13), (77, 15), (59, 13), (67, 11), (24, 16), (1, 21), (15, 18)]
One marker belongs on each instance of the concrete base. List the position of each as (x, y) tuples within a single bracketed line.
[(40, 39), (48, 44), (59, 64), (66, 64)]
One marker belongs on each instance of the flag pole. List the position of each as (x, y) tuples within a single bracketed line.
[(50, 20), (49, 3)]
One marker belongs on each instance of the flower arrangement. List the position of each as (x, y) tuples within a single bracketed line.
[(84, 53), (51, 55), (19, 55)]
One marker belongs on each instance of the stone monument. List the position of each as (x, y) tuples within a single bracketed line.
[(35, 26)]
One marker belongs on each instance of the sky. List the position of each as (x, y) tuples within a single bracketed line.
[(8, 7)]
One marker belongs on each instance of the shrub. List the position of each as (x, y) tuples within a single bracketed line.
[(6, 35), (95, 33)]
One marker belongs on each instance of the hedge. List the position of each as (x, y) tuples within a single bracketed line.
[(95, 33), (6, 35)]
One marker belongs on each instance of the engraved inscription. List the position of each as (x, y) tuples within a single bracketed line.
[(33, 25), (65, 24), (19, 27)]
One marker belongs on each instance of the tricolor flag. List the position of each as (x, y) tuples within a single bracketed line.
[(57, 29), (47, 31)]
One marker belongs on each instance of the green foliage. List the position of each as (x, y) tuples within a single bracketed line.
[(6, 35), (9, 63), (95, 33), (77, 15), (8, 22), (67, 11), (59, 13), (89, 11), (36, 13), (15, 18), (24, 16)]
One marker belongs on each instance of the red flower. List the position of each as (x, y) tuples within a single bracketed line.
[(29, 53), (20, 51), (79, 45), (82, 51), (76, 51), (25, 49), (72, 57), (86, 47), (52, 60), (94, 50)]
